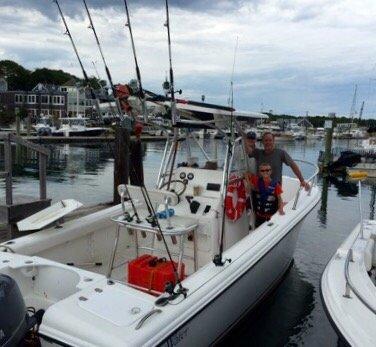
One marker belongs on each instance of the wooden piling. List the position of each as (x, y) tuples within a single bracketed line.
[(121, 153), (328, 141), (136, 171)]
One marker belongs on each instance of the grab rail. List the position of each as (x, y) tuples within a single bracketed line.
[(350, 258), (312, 180)]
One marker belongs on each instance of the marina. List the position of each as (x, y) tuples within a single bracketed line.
[(201, 192)]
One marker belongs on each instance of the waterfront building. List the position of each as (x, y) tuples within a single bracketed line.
[(79, 101), (43, 99)]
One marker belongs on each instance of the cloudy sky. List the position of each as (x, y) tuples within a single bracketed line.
[(293, 55)]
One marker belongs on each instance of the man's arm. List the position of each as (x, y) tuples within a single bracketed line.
[(295, 169)]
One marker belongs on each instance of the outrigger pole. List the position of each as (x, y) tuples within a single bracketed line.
[(86, 78), (109, 77), (138, 73)]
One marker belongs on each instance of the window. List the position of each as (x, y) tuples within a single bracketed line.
[(63, 89), (18, 98), (32, 112), (31, 99), (58, 100), (56, 113), (44, 99)]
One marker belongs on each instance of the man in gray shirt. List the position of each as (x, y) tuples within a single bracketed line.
[(273, 156)]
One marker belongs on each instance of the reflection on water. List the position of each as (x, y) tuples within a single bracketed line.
[(288, 307), (294, 314)]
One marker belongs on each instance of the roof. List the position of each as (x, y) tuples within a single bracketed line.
[(71, 83)]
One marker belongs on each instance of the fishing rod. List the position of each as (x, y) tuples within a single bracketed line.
[(138, 73), (109, 77), (218, 258), (86, 78), (174, 116)]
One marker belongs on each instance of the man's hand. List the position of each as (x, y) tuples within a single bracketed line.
[(280, 210), (305, 185)]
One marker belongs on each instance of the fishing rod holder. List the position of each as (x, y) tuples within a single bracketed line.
[(218, 260)]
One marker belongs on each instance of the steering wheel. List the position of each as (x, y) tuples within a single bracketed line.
[(180, 191)]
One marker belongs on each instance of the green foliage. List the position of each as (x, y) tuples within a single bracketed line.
[(318, 121), (17, 76), (20, 78), (48, 76), (6, 118), (22, 113)]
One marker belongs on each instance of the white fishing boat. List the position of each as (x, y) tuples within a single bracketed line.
[(348, 287), (79, 274), (70, 126)]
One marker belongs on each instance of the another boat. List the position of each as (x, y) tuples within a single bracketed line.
[(70, 126), (80, 274), (348, 287)]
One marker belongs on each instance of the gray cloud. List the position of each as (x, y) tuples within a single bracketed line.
[(75, 8)]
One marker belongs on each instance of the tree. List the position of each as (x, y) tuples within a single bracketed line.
[(6, 118)]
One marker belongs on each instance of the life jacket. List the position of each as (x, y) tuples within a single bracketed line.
[(265, 200)]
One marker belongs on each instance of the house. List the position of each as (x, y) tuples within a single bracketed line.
[(41, 100), (79, 101)]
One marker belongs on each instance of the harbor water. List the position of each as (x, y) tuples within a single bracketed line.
[(293, 315)]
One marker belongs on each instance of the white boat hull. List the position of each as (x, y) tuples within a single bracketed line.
[(350, 302), (238, 299)]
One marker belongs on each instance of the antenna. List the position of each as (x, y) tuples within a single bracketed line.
[(218, 258)]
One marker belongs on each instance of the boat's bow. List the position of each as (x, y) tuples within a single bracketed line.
[(348, 287)]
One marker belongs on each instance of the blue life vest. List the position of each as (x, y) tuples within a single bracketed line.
[(265, 200)]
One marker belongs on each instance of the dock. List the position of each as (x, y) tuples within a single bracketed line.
[(86, 139)]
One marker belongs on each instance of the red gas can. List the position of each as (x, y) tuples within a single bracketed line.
[(152, 273)]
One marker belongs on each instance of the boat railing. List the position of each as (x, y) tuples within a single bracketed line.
[(312, 180), (350, 259)]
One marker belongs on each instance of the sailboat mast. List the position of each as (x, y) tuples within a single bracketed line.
[(109, 77), (353, 105)]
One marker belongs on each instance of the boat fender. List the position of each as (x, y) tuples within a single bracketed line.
[(235, 188)]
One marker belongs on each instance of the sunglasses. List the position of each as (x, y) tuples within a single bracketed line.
[(265, 170)]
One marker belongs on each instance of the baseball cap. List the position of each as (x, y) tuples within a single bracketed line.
[(251, 135)]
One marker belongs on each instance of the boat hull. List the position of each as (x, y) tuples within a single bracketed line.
[(96, 132), (239, 299)]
